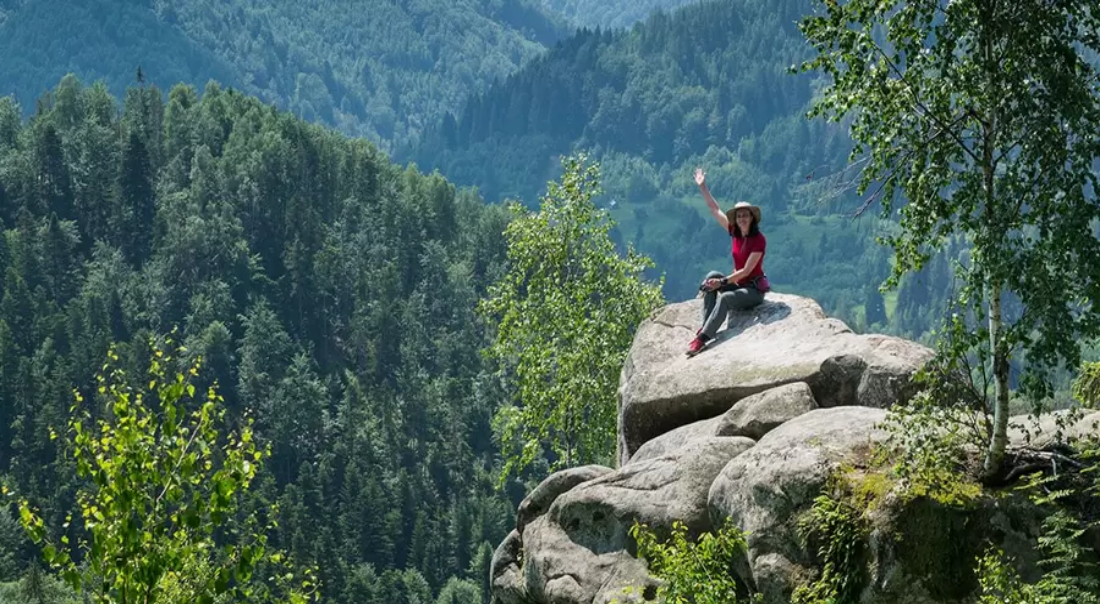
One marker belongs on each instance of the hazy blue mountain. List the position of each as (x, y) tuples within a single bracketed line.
[(610, 13), (375, 68)]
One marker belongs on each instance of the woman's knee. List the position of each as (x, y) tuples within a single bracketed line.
[(714, 275)]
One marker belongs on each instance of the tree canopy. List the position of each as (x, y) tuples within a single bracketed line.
[(372, 68), (564, 316), (331, 295), (979, 121)]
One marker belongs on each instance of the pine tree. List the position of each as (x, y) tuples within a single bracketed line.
[(137, 200), (53, 188)]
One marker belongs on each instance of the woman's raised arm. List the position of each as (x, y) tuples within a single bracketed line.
[(719, 215)]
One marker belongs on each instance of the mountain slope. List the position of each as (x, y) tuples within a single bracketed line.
[(42, 40), (706, 85), (710, 74), (376, 68), (330, 293), (611, 13)]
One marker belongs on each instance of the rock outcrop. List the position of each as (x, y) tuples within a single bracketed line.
[(767, 490), (1050, 428), (577, 549), (752, 417), (763, 490), (787, 339), (750, 430)]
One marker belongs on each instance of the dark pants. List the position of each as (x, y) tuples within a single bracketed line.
[(718, 303)]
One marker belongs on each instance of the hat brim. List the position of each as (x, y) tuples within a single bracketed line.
[(731, 214)]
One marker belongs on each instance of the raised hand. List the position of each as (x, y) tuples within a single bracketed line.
[(700, 177)]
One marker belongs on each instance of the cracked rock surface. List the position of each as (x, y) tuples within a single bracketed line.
[(578, 549)]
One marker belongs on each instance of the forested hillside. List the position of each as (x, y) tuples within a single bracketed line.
[(330, 293), (375, 68), (707, 85), (610, 13)]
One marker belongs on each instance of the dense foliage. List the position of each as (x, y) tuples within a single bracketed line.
[(564, 317), (695, 569), (979, 121), (610, 13), (331, 295), (162, 484), (374, 68), (705, 85)]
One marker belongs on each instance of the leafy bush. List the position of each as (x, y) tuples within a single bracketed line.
[(696, 572), (836, 526), (158, 512)]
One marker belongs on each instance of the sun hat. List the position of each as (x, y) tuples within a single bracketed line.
[(731, 214)]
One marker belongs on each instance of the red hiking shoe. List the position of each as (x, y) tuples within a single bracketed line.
[(697, 345)]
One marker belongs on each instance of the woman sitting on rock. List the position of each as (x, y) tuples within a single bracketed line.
[(746, 286)]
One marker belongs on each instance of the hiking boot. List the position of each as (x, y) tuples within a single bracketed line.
[(697, 345)]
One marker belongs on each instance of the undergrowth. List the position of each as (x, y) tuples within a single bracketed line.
[(693, 572), (836, 528), (1070, 567)]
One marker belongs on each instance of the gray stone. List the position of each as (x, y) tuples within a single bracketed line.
[(505, 575), (580, 551), (655, 491), (761, 413), (1050, 429), (751, 417), (774, 576), (539, 500), (919, 552), (764, 489), (787, 339), (557, 570), (671, 441)]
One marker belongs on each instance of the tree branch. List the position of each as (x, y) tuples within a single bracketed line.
[(1039, 460), (926, 112)]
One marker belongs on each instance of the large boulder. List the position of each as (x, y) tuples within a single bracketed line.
[(786, 339), (752, 430), (919, 551), (655, 492), (505, 571), (539, 500), (677, 438), (557, 570), (578, 550), (1051, 429), (751, 417), (761, 413), (763, 490)]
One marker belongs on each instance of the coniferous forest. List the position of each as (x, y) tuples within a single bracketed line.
[(311, 197), (493, 93), (707, 85), (373, 68), (330, 292), (593, 13)]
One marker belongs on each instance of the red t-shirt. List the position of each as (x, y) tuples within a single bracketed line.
[(743, 247)]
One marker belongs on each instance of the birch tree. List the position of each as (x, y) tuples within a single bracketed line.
[(980, 120)]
